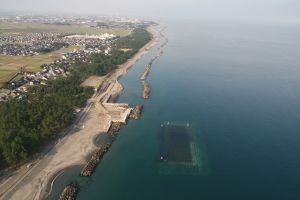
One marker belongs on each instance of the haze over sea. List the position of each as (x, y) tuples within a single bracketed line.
[(237, 84)]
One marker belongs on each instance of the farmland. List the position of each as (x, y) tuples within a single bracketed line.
[(11, 28), (10, 65)]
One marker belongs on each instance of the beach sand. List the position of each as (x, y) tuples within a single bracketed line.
[(77, 144)]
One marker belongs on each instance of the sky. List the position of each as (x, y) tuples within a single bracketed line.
[(236, 9)]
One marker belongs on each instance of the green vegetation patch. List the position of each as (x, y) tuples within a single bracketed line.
[(6, 74)]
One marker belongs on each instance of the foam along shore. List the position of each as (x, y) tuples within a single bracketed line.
[(78, 143)]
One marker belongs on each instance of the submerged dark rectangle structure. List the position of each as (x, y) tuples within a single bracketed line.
[(177, 144), (180, 152)]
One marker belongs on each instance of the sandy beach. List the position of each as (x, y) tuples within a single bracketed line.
[(73, 148)]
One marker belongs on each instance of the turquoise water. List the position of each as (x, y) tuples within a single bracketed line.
[(238, 86)]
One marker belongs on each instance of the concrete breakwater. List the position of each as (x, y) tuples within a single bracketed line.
[(137, 112), (146, 89), (149, 65), (146, 86), (113, 131), (146, 72), (96, 157), (70, 192)]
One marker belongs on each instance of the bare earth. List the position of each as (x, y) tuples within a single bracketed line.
[(93, 81), (72, 149)]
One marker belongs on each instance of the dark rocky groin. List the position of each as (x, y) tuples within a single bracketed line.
[(70, 192), (137, 112), (94, 161)]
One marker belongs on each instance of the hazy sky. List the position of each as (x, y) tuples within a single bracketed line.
[(249, 9)]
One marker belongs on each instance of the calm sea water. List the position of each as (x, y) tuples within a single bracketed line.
[(238, 85)]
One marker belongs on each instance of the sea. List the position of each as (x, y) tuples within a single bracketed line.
[(237, 86)]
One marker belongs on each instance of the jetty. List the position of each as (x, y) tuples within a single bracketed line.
[(70, 192), (96, 158)]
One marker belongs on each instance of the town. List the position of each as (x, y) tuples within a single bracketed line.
[(32, 43), (86, 44), (29, 44)]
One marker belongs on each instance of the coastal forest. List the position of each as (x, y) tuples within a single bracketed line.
[(26, 126)]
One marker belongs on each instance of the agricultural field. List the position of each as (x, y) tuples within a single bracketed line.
[(11, 28), (10, 65)]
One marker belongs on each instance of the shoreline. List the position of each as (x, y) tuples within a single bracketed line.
[(49, 187), (72, 149)]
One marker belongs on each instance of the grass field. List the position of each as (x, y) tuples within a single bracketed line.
[(9, 65), (10, 28)]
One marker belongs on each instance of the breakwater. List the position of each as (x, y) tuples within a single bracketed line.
[(70, 192), (146, 87), (96, 157), (113, 131), (137, 112)]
